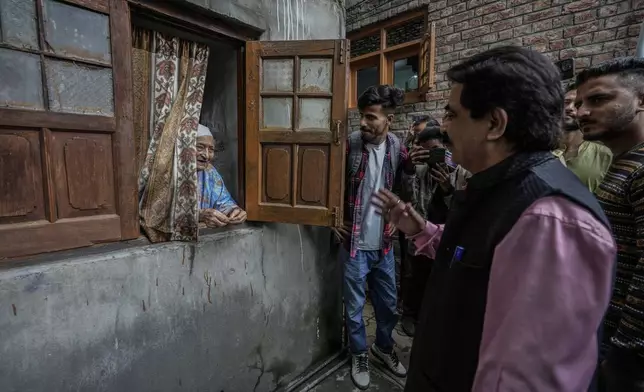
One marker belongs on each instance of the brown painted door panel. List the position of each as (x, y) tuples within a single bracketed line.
[(67, 173), (296, 131)]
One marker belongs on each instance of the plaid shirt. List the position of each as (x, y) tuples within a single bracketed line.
[(353, 189)]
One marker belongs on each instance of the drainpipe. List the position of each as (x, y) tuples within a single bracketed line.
[(639, 52)]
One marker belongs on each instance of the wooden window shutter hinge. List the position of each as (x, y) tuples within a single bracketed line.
[(337, 219), (343, 49)]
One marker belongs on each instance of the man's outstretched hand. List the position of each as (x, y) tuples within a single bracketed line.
[(401, 215)]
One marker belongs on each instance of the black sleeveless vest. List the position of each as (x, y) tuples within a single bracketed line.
[(445, 350)]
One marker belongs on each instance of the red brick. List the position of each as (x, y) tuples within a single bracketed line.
[(460, 17), (542, 25), (436, 5), (490, 8), (581, 29), (580, 51), (547, 13), (582, 62), (581, 5), (460, 7), (607, 10), (447, 11), (615, 21), (566, 20), (506, 24), (600, 58), (554, 34), (514, 3), (444, 49), (583, 39), (459, 46), (535, 40), (505, 14), (523, 9), (585, 16), (442, 67), (522, 30), (489, 38), (560, 44), (604, 35), (541, 4), (475, 32), (473, 42), (462, 26), (620, 45), (452, 38), (505, 34)]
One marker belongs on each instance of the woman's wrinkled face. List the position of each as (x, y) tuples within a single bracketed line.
[(205, 151)]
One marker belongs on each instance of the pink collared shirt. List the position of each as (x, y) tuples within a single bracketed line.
[(542, 313)]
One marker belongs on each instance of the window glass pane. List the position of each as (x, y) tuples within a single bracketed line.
[(315, 113), (365, 45), (277, 75), (407, 32), (365, 78), (20, 80), (76, 88), (77, 32), (277, 112), (406, 73), (315, 75), (18, 23)]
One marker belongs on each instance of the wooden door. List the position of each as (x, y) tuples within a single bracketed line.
[(296, 131), (66, 153)]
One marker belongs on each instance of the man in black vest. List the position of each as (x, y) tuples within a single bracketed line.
[(523, 267)]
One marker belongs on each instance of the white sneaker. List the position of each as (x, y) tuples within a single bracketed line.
[(390, 360), (360, 371)]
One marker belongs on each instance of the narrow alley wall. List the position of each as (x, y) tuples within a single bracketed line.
[(588, 31)]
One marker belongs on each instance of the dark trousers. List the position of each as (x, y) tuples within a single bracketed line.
[(413, 282), (620, 380)]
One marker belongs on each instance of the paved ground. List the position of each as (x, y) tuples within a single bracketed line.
[(341, 380)]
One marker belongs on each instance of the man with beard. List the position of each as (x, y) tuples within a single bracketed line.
[(419, 124), (523, 266), (375, 160), (610, 109), (588, 160)]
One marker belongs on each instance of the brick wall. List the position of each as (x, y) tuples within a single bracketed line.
[(589, 31)]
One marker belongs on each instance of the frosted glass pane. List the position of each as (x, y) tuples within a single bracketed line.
[(77, 32), (277, 75), (277, 112), (18, 23), (315, 75), (20, 80), (315, 113), (75, 88)]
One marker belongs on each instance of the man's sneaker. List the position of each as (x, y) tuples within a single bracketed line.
[(360, 371), (408, 326), (390, 360)]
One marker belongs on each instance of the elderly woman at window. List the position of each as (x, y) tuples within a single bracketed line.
[(216, 207)]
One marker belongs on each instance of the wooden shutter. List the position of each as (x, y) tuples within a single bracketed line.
[(66, 152), (427, 54), (296, 131)]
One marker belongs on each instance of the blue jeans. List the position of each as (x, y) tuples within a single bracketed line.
[(379, 271)]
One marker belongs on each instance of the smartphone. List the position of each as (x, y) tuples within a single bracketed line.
[(436, 156)]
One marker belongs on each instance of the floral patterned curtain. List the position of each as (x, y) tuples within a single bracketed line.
[(168, 178)]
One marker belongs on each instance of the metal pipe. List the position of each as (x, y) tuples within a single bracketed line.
[(639, 52)]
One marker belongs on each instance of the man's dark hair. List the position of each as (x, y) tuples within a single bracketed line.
[(524, 83), (629, 70), (430, 133), (421, 118), (386, 95), (572, 86)]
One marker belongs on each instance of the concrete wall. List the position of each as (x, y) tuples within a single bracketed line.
[(243, 310), (590, 31), (246, 309)]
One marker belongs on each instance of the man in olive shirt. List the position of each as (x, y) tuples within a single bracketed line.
[(588, 160)]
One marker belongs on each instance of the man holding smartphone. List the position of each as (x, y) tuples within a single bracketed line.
[(429, 192)]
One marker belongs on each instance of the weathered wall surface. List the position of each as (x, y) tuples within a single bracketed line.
[(285, 19), (589, 31), (244, 310)]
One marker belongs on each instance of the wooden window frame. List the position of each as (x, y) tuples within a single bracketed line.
[(385, 56)]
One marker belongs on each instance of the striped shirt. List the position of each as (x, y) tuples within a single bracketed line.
[(621, 195)]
